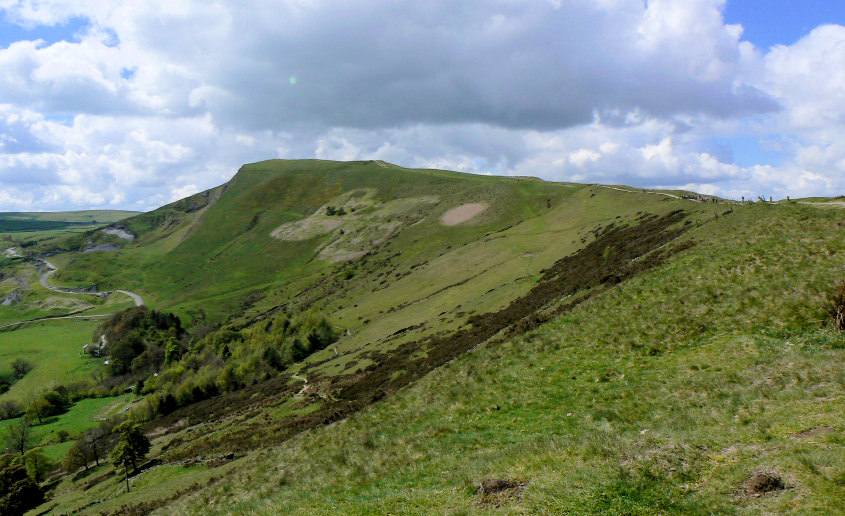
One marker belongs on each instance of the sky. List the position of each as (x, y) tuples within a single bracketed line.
[(134, 104)]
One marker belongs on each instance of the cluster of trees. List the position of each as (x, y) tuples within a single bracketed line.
[(22, 470), (170, 366), (331, 211), (18, 491), (136, 340), (123, 441), (230, 358), (50, 403)]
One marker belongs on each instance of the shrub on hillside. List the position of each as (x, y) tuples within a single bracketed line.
[(9, 409), (21, 367)]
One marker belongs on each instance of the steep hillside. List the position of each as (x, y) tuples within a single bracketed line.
[(181, 248), (710, 384), (365, 338)]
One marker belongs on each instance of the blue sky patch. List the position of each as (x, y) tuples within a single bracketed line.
[(747, 151), (772, 22), (70, 30)]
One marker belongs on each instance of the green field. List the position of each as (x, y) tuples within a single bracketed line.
[(54, 350), (595, 350), (81, 416)]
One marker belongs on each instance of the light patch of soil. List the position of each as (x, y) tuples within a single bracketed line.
[(15, 297), (462, 213), (365, 224), (120, 231), (64, 303), (307, 229)]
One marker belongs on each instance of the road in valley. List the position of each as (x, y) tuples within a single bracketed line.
[(51, 269)]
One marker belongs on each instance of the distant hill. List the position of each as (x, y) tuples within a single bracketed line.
[(39, 221)]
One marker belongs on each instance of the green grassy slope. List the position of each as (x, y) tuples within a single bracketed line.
[(228, 239), (53, 348), (673, 348), (663, 395)]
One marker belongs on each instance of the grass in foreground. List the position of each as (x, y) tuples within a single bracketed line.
[(664, 395)]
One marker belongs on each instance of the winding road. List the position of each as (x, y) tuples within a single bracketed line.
[(51, 269)]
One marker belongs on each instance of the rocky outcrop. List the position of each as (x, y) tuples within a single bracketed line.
[(16, 296), (120, 230), (102, 247)]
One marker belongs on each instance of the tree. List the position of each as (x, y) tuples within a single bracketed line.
[(21, 367), (172, 351), (77, 456), (9, 409), (19, 436), (132, 445), (18, 493), (37, 464), (38, 409), (91, 442)]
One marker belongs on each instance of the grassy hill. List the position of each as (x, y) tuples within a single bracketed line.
[(502, 342), (11, 222)]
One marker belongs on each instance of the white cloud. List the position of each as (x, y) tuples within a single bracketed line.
[(161, 98)]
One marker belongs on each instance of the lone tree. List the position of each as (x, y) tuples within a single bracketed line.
[(19, 436), (77, 456), (132, 446)]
